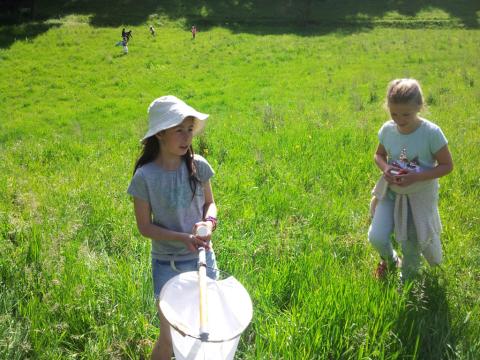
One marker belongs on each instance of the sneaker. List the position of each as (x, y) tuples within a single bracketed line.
[(383, 268)]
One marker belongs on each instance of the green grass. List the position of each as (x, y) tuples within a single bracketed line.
[(294, 118)]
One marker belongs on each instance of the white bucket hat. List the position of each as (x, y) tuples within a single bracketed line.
[(169, 111)]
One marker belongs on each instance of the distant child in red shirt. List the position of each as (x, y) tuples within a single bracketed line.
[(194, 31)]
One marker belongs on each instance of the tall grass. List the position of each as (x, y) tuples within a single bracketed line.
[(293, 125)]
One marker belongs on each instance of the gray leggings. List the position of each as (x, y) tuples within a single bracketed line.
[(380, 234)]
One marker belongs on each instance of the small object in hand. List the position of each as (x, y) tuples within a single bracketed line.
[(398, 172), (202, 231)]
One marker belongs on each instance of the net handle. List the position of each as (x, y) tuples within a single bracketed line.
[(202, 283)]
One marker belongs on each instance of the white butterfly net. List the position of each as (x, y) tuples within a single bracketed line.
[(229, 311)]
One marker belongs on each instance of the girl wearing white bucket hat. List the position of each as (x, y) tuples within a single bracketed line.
[(173, 198)]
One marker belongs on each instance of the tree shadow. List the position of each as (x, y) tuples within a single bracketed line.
[(333, 14), (22, 32), (303, 17), (425, 323)]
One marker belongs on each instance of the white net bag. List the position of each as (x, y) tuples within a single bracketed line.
[(228, 311)]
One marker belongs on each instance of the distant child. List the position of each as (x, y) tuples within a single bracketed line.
[(126, 34), (152, 30), (194, 31), (172, 197), (125, 37), (412, 154)]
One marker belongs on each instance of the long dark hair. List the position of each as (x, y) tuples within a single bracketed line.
[(150, 151)]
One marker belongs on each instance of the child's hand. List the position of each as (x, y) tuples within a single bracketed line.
[(406, 179), (390, 174), (207, 225), (193, 242)]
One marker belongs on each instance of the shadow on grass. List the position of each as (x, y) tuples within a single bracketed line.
[(303, 17), (22, 32), (425, 322), (120, 55)]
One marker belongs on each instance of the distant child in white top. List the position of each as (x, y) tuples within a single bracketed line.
[(412, 154), (172, 198), (152, 30)]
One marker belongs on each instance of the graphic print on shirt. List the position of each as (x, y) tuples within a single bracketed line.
[(404, 163)]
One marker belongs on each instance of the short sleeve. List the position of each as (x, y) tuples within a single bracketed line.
[(381, 134), (204, 170), (138, 186), (437, 140)]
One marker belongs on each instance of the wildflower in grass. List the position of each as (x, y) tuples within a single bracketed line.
[(412, 154)]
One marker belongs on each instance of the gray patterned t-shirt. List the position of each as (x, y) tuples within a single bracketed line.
[(170, 198)]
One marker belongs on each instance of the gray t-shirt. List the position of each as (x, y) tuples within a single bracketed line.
[(170, 198), (419, 146)]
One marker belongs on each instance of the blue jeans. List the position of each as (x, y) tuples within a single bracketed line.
[(380, 233), (164, 270)]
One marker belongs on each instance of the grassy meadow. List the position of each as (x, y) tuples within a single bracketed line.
[(295, 112)]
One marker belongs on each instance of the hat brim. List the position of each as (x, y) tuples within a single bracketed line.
[(197, 128)]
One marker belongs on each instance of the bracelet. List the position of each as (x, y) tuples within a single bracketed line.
[(213, 220)]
